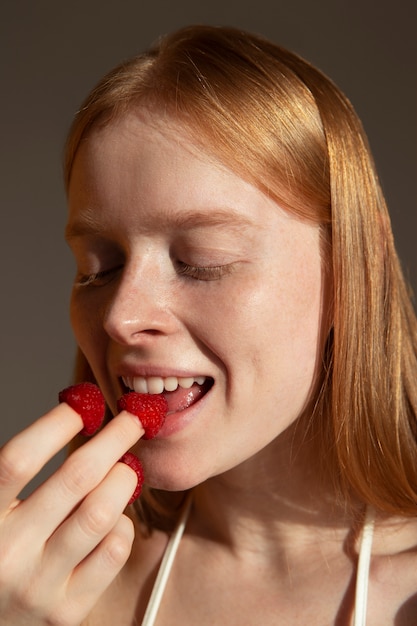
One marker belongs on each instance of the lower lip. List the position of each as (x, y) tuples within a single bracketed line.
[(175, 422)]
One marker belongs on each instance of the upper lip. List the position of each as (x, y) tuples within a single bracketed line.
[(162, 372)]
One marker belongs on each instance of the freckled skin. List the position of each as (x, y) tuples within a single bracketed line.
[(146, 205)]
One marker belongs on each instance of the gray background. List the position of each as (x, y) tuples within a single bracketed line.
[(52, 53)]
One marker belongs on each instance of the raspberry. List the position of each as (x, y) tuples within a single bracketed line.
[(88, 401), (133, 462), (151, 410)]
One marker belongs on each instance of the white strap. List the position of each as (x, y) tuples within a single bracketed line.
[(362, 577), (364, 561), (165, 567)]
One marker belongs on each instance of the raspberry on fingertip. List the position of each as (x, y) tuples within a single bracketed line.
[(87, 400), (133, 462), (150, 409)]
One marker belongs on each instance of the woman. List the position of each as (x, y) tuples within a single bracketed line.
[(232, 243)]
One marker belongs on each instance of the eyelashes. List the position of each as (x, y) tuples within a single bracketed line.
[(209, 273), (97, 279), (213, 272)]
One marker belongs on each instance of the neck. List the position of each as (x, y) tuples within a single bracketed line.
[(278, 499)]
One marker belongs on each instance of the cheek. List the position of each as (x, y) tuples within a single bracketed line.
[(297, 322), (259, 314), (277, 329), (86, 324)]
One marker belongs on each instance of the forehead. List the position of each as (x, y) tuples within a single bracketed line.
[(153, 166), (140, 146), (142, 132)]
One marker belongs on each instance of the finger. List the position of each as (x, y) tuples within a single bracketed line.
[(71, 601), (99, 569), (97, 515), (25, 455), (80, 474)]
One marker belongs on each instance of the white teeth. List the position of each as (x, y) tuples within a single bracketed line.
[(171, 383), (186, 383), (157, 384), (141, 385)]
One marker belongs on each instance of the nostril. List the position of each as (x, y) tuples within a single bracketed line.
[(133, 329), (136, 315)]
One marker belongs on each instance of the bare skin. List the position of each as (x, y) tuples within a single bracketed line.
[(299, 564), (231, 559), (184, 269), (232, 562), (79, 535)]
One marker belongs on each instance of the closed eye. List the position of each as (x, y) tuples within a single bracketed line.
[(97, 279), (213, 272)]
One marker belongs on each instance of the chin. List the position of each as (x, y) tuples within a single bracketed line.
[(170, 483), (172, 475)]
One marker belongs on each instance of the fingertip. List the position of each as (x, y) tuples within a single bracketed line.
[(133, 462), (63, 409), (125, 413)]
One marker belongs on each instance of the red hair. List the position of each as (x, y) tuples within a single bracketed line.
[(282, 125)]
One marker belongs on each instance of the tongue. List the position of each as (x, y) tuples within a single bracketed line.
[(181, 399)]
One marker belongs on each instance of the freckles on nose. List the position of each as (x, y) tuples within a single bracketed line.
[(134, 312)]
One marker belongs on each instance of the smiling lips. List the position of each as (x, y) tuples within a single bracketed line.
[(179, 392), (150, 407)]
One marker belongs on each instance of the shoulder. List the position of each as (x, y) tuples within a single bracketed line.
[(393, 575)]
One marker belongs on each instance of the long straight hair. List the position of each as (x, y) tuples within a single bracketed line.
[(282, 125)]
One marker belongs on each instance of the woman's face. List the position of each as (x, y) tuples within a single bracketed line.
[(186, 271)]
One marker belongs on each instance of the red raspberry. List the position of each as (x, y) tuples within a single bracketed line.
[(133, 462), (88, 401), (151, 409)]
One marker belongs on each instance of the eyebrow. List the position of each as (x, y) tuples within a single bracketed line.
[(83, 227), (210, 217), (89, 226)]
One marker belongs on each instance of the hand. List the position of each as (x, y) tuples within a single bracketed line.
[(62, 546)]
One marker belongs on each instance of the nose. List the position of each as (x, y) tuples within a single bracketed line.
[(140, 309)]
